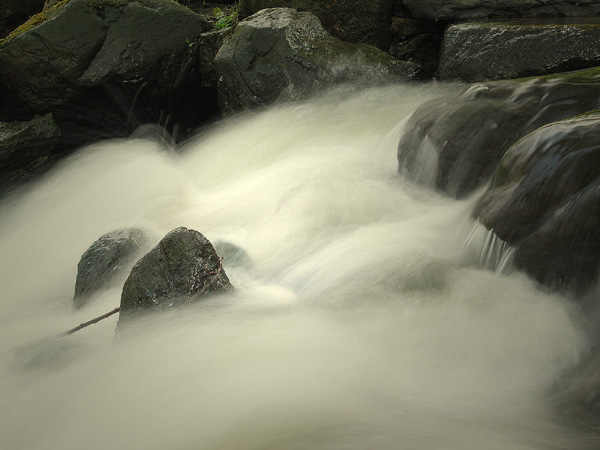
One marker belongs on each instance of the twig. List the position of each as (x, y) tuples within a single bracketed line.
[(208, 285), (91, 322)]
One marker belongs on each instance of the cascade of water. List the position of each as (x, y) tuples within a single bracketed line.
[(484, 248)]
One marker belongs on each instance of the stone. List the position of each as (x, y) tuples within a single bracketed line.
[(454, 143), (282, 54), (417, 41), (545, 201), (26, 148), (361, 21), (111, 65), (500, 50), (14, 12), (452, 10), (182, 268), (105, 261)]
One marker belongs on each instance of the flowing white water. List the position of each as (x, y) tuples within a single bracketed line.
[(357, 325)]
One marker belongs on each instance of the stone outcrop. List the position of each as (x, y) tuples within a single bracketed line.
[(282, 54), (452, 10), (499, 50), (105, 261), (545, 201), (14, 12), (362, 21), (454, 143), (183, 267), (25, 147)]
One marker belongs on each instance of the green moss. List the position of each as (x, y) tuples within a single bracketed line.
[(588, 113), (34, 21), (580, 76)]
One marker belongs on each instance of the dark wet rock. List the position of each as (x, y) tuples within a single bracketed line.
[(106, 260), (417, 41), (111, 65), (450, 10), (454, 143), (500, 50), (282, 54), (545, 201), (26, 148), (14, 12), (180, 269), (361, 21), (233, 256)]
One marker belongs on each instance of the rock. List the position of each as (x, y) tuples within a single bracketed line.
[(14, 12), (545, 201), (105, 261), (111, 64), (233, 256), (361, 21), (25, 148), (499, 50), (417, 41), (452, 10), (282, 54), (184, 264), (454, 143)]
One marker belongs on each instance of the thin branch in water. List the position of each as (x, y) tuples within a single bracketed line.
[(91, 322)]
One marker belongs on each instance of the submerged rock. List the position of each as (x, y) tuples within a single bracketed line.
[(233, 256), (470, 9), (364, 21), (545, 201), (499, 50), (107, 259), (25, 148), (184, 264), (454, 143), (282, 54)]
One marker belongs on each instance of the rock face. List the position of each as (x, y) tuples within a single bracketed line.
[(362, 21), (25, 147), (545, 201), (111, 58), (184, 264), (282, 54), (14, 12), (107, 259), (454, 143), (498, 50), (448, 10)]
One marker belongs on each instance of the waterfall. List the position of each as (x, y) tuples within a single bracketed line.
[(357, 323)]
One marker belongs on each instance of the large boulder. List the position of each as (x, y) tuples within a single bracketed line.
[(25, 147), (366, 21), (498, 50), (454, 143), (282, 54), (105, 261), (450, 10), (545, 201), (14, 12), (110, 64), (182, 267)]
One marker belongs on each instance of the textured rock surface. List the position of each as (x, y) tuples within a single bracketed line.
[(471, 9), (281, 54), (183, 264), (454, 143), (25, 148), (498, 50), (107, 259), (545, 201), (14, 12), (106, 61), (365, 21), (417, 41)]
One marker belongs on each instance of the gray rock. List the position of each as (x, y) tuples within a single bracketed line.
[(25, 148), (106, 260), (364, 21), (499, 50), (181, 268), (417, 41), (282, 54), (449, 10), (233, 256), (112, 57), (545, 201), (454, 143), (14, 12)]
